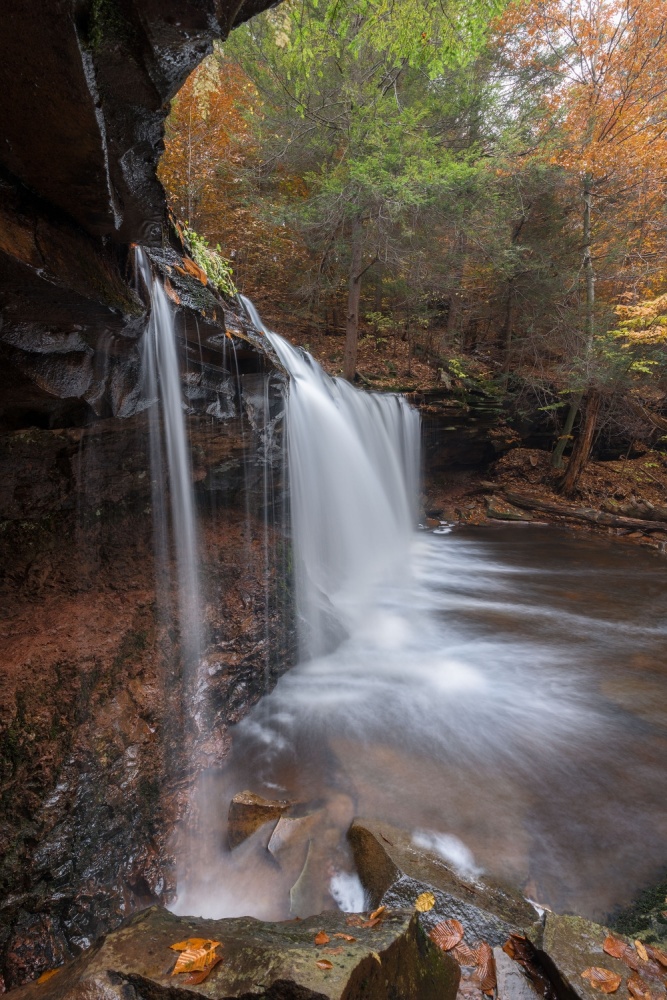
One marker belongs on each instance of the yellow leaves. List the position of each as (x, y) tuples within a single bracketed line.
[(49, 974), (641, 951), (602, 979), (197, 958), (424, 902)]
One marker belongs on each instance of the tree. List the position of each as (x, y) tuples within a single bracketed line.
[(342, 107), (605, 121)]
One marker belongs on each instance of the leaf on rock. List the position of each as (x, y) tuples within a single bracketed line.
[(171, 292), (195, 978), (194, 943), (322, 938), (195, 270), (345, 937), (464, 955), (447, 934), (602, 979), (619, 949), (377, 914), (334, 951), (45, 976), (486, 967), (324, 963), (637, 988), (657, 954), (641, 951), (424, 902), (196, 959)]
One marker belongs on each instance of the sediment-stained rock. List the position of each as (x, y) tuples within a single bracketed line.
[(393, 960)]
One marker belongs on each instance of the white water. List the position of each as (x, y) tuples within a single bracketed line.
[(353, 462), (470, 689), (168, 440)]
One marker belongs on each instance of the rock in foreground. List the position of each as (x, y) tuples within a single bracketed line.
[(392, 960), (393, 872)]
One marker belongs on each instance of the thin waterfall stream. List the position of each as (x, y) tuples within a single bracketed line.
[(470, 687)]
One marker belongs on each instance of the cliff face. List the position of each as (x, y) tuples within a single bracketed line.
[(84, 89), (97, 751)]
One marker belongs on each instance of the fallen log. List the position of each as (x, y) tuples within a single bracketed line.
[(583, 513)]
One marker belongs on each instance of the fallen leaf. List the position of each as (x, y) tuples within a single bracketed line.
[(334, 951), (638, 988), (464, 955), (195, 978), (620, 949), (641, 951), (602, 979), (424, 902), (657, 954), (194, 959), (376, 914), (447, 934), (486, 967), (345, 937), (45, 976), (377, 957), (194, 943), (322, 938), (324, 963)]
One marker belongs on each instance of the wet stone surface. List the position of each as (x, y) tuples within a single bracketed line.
[(393, 960)]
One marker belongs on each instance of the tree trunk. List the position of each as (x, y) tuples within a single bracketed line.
[(353, 299), (583, 444), (561, 443), (589, 335)]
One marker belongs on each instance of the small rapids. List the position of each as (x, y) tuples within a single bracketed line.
[(498, 692)]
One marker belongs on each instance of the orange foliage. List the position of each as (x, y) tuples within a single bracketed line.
[(210, 171)]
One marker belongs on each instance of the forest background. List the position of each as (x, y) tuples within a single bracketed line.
[(431, 197)]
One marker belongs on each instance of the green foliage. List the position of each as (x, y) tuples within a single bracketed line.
[(218, 269)]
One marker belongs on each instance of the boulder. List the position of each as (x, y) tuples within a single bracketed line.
[(513, 983), (392, 960), (573, 944), (247, 812), (393, 872)]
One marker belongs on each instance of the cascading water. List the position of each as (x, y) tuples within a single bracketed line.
[(446, 684), (168, 438)]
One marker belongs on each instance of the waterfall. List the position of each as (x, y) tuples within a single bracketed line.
[(353, 460), (168, 439)]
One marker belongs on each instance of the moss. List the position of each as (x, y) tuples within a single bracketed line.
[(645, 918), (106, 22)]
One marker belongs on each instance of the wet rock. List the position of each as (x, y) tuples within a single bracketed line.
[(513, 983), (275, 961), (573, 944), (393, 871), (247, 812)]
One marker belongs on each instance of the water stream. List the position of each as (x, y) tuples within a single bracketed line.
[(498, 692)]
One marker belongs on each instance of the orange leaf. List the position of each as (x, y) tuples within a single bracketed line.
[(334, 951), (322, 938), (193, 959), (602, 979), (657, 954), (195, 978), (194, 943), (641, 951), (447, 934), (345, 937), (171, 292), (486, 967), (376, 914), (324, 963), (45, 976), (619, 949), (637, 988), (195, 270), (465, 955)]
